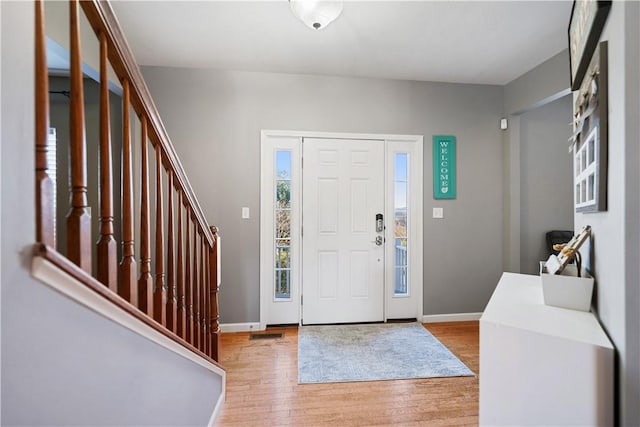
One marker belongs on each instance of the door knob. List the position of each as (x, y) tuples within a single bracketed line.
[(378, 241)]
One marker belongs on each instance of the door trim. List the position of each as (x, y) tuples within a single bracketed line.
[(266, 204)]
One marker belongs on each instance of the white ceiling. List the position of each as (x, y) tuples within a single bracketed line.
[(450, 41)]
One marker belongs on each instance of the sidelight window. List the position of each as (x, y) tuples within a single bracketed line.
[(282, 226), (401, 197)]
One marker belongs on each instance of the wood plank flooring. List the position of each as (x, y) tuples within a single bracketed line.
[(263, 389)]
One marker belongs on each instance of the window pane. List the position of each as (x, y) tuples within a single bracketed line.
[(283, 194), (283, 224), (401, 167), (401, 281), (400, 209), (283, 164), (400, 193), (282, 257), (401, 198), (282, 281), (401, 252), (400, 229)]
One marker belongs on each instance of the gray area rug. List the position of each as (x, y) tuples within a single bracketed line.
[(373, 352)]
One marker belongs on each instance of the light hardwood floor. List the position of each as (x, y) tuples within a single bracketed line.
[(263, 389)]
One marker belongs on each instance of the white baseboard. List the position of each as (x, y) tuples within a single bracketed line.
[(218, 408), (240, 327), (455, 317)]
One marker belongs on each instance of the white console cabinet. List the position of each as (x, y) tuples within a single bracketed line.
[(542, 365)]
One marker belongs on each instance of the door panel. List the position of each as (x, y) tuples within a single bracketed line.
[(343, 267)]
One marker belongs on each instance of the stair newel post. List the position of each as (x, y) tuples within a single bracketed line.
[(78, 218), (214, 325)]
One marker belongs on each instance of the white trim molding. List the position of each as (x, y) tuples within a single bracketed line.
[(240, 327), (217, 409), (453, 317), (292, 139), (285, 310), (339, 135)]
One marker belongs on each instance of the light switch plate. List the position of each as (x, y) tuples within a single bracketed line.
[(245, 213), (438, 213)]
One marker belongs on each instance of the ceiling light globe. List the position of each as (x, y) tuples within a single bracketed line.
[(316, 14)]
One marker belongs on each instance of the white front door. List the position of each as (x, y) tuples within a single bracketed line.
[(343, 265)]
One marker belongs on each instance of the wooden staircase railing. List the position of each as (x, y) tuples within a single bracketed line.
[(179, 298)]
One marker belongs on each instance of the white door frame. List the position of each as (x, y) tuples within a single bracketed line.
[(268, 142)]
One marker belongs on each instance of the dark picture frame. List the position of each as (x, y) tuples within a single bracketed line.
[(585, 26)]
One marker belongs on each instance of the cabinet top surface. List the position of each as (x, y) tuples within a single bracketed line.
[(518, 302)]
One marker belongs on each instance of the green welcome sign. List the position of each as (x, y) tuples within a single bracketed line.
[(444, 167)]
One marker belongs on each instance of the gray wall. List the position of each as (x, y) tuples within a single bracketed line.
[(214, 119), (616, 232), (546, 195), (536, 88), (539, 86), (61, 363)]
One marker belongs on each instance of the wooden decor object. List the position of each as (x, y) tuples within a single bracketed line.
[(107, 257), (45, 184), (78, 218)]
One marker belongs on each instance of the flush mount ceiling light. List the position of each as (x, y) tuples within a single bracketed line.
[(316, 14)]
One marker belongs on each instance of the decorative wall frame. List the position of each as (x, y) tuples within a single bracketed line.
[(590, 136), (585, 26)]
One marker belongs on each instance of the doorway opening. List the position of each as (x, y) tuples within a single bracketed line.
[(341, 228)]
